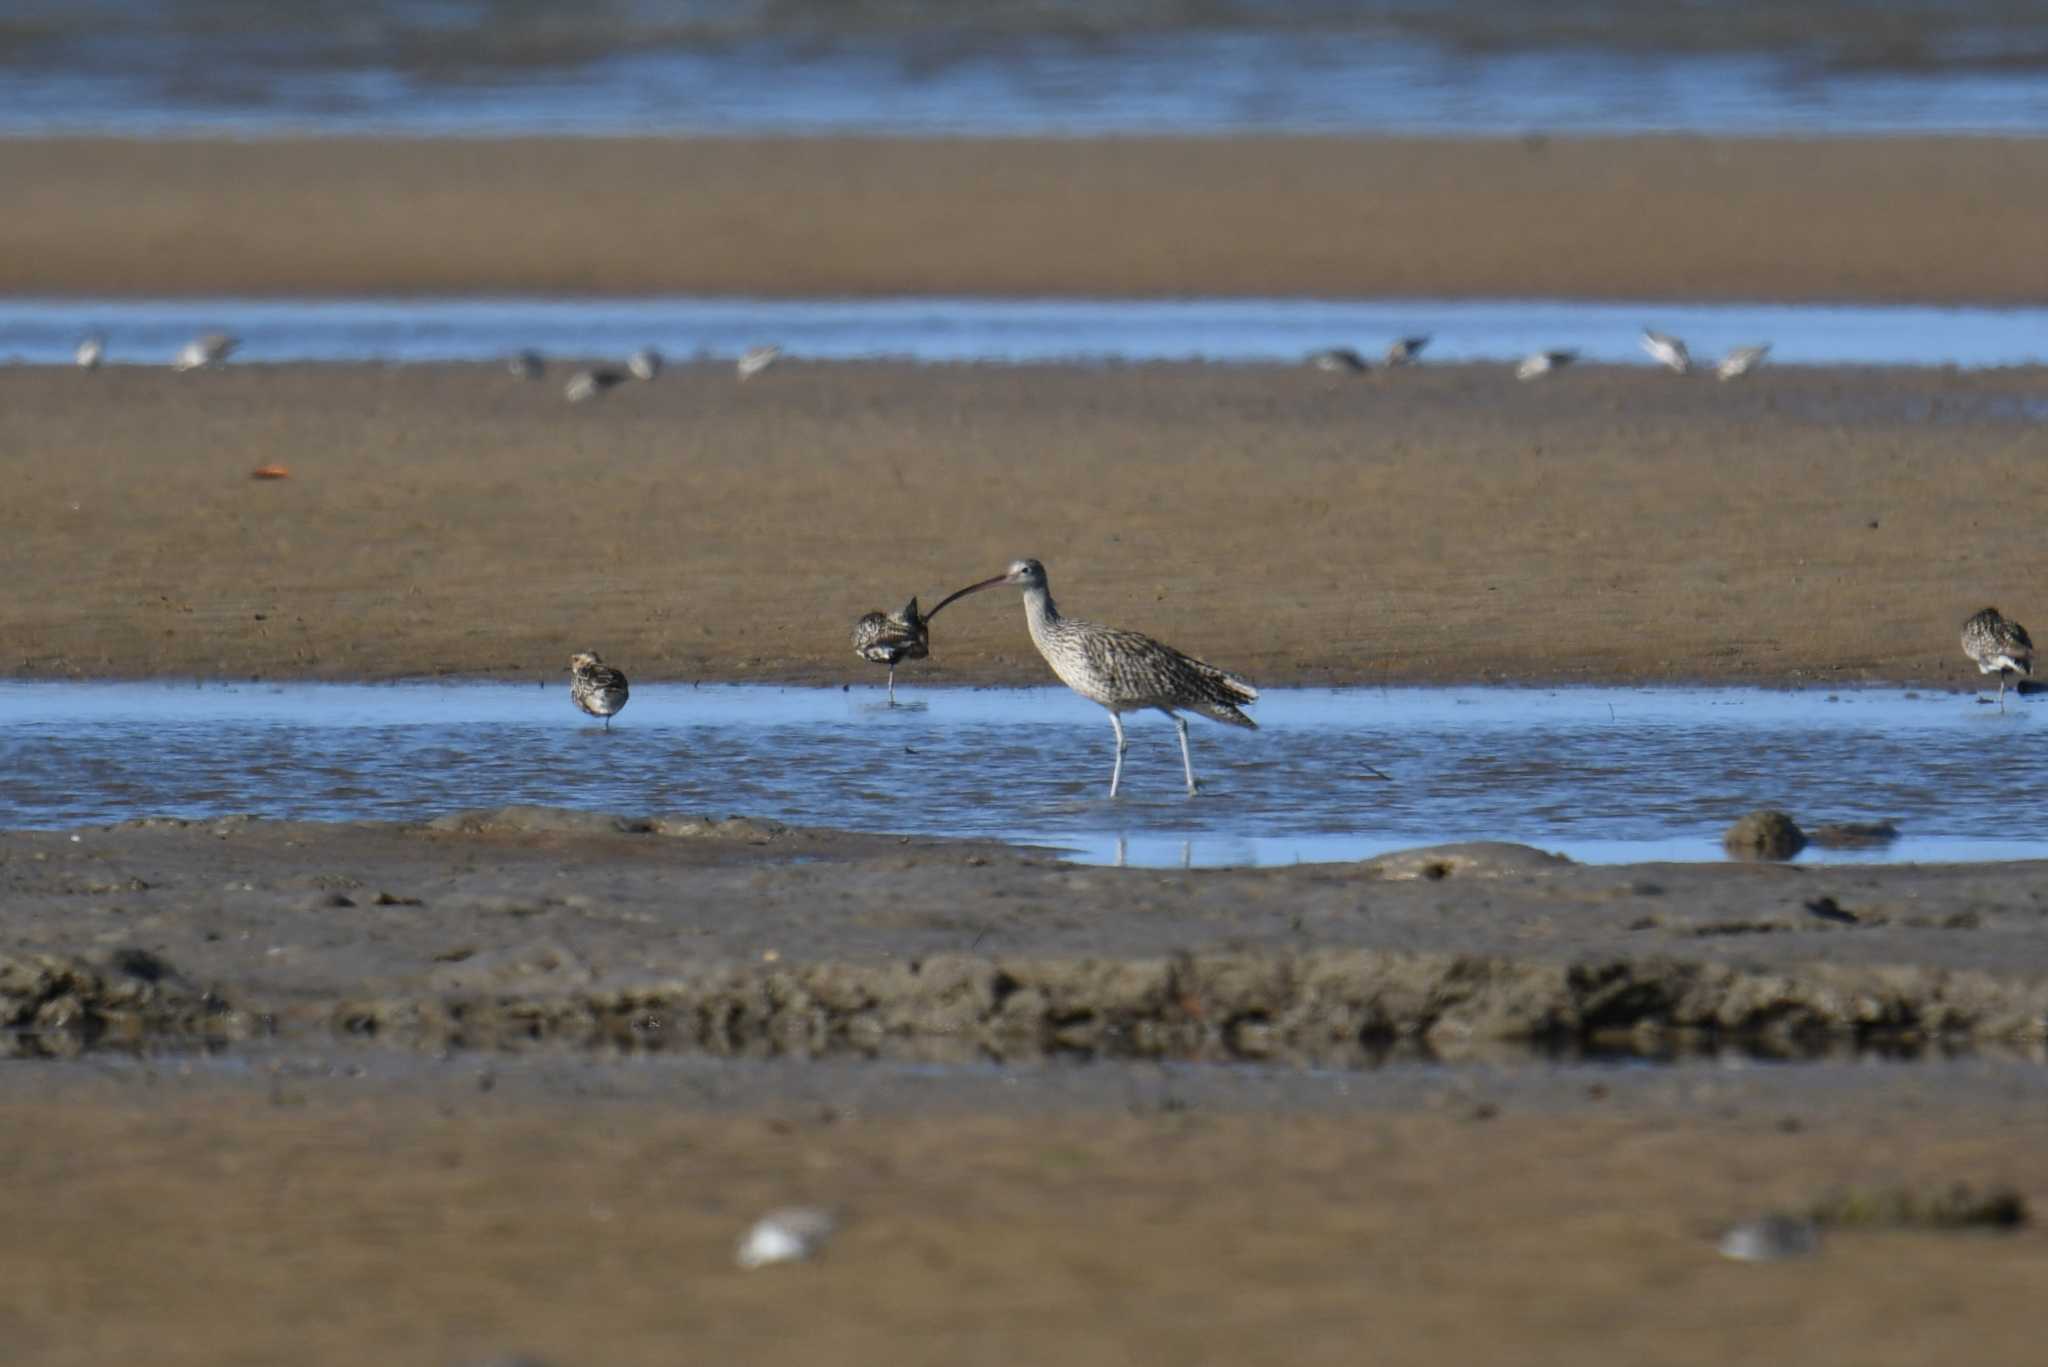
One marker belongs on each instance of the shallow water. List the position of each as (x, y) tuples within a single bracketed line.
[(150, 331), (1482, 69), (1600, 774)]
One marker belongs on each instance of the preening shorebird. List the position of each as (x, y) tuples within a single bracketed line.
[(92, 350), (527, 365), (1541, 363), (1407, 350), (595, 686), (1742, 360), (1338, 360), (885, 638), (586, 385), (1998, 645), (1667, 351), (756, 359), (644, 363), (208, 348), (1121, 670)]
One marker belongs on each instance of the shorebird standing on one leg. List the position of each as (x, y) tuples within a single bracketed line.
[(595, 686), (1122, 670), (1998, 645), (883, 638)]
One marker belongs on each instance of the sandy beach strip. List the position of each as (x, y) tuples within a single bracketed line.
[(1443, 524), (1906, 219)]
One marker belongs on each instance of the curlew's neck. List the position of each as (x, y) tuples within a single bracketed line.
[(1040, 611)]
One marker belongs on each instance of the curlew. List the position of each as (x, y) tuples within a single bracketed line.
[(1538, 364), (1122, 670), (1667, 351), (586, 385), (208, 348), (595, 686), (756, 359), (92, 349), (885, 638), (1998, 645), (1338, 360), (1742, 360), (1406, 350), (644, 363), (527, 365)]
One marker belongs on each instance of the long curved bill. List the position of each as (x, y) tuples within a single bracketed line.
[(962, 593)]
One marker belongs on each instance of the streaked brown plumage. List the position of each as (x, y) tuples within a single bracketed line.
[(1122, 671), (885, 638), (1998, 645), (595, 686), (1406, 350)]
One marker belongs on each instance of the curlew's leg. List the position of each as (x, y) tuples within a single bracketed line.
[(2001, 690), (1116, 774), (892, 685), (607, 723), (1187, 765)]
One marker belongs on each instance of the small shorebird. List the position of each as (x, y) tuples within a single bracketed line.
[(1407, 350), (92, 350), (884, 638), (1667, 351), (1338, 359), (644, 363), (208, 348), (595, 686), (1742, 360), (586, 385), (1121, 670), (756, 359), (527, 365), (1541, 363), (1998, 645)]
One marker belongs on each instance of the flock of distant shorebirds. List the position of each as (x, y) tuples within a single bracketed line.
[(214, 348), (1666, 350), (1123, 671)]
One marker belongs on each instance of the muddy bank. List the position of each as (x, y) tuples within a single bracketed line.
[(1929, 219), (1444, 524), (495, 930)]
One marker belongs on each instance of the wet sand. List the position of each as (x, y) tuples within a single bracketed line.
[(321, 1214), (1445, 524), (1930, 219), (376, 1162), (395, 1155)]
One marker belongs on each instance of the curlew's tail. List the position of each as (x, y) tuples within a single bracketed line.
[(1221, 696)]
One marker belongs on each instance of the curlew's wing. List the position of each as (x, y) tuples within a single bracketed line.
[(1139, 668)]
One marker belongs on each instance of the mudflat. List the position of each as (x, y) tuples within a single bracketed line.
[(1928, 219), (1432, 525), (515, 1082)]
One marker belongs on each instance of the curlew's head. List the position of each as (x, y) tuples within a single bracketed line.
[(1024, 574), (583, 661)]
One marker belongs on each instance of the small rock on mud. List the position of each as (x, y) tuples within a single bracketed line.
[(1764, 834)]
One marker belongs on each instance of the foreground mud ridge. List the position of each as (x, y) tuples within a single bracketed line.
[(507, 928)]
